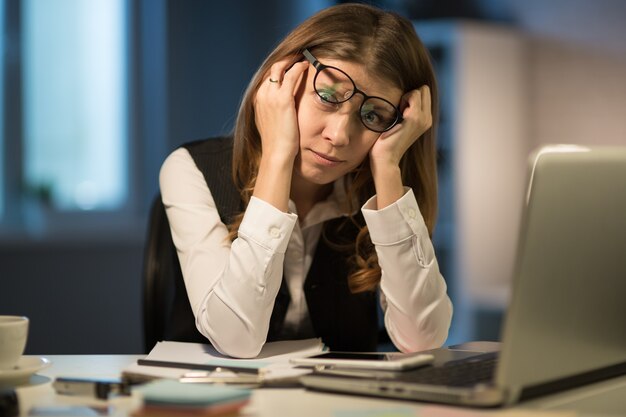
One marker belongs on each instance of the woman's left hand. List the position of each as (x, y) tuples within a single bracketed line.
[(388, 150), (417, 115)]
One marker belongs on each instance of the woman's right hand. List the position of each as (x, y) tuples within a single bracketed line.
[(277, 123), (275, 111)]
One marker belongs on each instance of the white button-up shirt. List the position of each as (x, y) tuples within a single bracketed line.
[(232, 286)]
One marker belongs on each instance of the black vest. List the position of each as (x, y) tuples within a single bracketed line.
[(343, 320)]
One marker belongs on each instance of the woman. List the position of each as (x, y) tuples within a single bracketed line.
[(334, 195)]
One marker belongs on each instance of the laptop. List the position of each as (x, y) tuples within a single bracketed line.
[(566, 322)]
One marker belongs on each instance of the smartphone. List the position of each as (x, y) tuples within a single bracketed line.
[(393, 361)]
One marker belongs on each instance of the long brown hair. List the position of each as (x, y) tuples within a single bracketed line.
[(387, 45)]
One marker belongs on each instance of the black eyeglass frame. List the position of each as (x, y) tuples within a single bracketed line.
[(319, 67)]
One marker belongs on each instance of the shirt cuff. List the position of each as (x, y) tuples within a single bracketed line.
[(267, 226), (396, 222)]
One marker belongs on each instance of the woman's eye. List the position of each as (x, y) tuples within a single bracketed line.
[(328, 95), (326, 100), (371, 117)]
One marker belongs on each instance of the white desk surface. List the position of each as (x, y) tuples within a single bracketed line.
[(607, 398)]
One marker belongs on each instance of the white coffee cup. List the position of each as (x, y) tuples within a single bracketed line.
[(13, 335)]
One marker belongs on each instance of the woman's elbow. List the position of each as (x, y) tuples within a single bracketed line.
[(429, 330), (441, 320), (233, 339), (239, 349)]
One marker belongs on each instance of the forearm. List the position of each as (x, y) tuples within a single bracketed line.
[(231, 287), (235, 312), (417, 308), (388, 184), (418, 311), (273, 181)]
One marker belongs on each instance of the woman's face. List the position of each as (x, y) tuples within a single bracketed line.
[(333, 140)]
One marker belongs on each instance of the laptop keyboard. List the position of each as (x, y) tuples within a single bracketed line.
[(461, 373)]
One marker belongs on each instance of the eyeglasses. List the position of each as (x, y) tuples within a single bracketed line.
[(334, 87)]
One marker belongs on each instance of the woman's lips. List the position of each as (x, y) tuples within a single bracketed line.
[(326, 159)]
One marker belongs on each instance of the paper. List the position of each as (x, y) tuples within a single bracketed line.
[(272, 362), (273, 353)]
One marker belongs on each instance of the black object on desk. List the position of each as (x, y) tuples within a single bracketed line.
[(9, 405), (96, 388)]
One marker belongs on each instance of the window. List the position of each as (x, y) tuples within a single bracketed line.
[(74, 103), (65, 118)]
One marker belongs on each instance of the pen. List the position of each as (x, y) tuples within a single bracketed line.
[(195, 366)]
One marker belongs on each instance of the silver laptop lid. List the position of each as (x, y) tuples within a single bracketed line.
[(568, 311)]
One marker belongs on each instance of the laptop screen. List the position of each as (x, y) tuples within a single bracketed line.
[(567, 312)]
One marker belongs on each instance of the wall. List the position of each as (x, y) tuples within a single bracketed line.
[(214, 50), (578, 94), (81, 296), (577, 68)]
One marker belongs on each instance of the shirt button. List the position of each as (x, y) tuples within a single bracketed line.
[(275, 232), (411, 212)]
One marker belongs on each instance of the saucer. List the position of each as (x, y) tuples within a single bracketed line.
[(26, 366)]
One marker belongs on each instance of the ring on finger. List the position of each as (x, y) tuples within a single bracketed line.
[(273, 81)]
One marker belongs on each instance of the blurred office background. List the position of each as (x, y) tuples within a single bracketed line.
[(96, 93)]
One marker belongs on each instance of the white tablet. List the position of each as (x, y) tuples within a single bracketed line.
[(394, 361)]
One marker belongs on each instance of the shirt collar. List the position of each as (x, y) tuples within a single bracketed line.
[(336, 205)]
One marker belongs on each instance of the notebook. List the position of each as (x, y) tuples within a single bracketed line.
[(565, 325)]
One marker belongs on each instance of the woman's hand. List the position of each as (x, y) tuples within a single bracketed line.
[(388, 150), (277, 123), (275, 110), (417, 115)]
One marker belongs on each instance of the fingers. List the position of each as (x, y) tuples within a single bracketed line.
[(418, 108), (278, 70), (279, 86), (275, 109), (285, 76), (294, 75)]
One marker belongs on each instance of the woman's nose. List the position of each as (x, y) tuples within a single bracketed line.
[(338, 128)]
